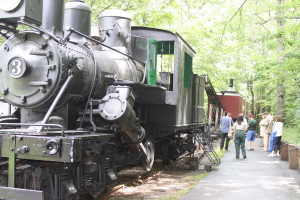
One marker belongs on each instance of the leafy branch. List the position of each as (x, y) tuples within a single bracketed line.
[(226, 24)]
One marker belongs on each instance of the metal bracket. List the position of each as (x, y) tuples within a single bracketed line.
[(11, 161)]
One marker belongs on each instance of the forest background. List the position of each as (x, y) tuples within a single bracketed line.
[(254, 42)]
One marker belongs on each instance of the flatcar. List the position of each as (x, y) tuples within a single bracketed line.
[(88, 108)]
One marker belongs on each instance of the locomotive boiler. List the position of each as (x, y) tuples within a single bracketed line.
[(87, 108)]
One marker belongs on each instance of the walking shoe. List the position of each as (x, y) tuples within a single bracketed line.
[(271, 155), (252, 149), (249, 149), (278, 155), (237, 157), (245, 157)]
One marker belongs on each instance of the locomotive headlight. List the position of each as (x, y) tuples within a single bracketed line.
[(10, 5), (52, 147)]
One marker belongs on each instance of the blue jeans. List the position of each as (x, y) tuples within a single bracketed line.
[(224, 138), (251, 135), (272, 141)]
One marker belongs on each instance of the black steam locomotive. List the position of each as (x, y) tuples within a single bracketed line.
[(88, 107)]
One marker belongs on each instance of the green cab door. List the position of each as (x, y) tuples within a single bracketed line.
[(151, 61)]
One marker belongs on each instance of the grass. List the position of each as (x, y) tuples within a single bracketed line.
[(219, 152), (291, 135)]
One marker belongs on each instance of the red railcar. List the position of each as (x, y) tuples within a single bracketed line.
[(233, 103)]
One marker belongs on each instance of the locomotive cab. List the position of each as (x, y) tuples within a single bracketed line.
[(169, 57)]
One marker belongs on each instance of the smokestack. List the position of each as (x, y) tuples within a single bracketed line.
[(231, 85), (53, 15)]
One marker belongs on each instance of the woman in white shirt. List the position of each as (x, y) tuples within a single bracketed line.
[(239, 129), (278, 126)]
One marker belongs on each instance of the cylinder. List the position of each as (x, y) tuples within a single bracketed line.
[(115, 108), (117, 27), (78, 16), (53, 14)]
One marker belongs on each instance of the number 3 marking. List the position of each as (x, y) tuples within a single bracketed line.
[(16, 70)]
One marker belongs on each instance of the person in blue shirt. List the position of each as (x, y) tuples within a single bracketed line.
[(226, 123)]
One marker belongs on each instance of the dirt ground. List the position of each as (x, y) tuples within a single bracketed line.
[(162, 183)]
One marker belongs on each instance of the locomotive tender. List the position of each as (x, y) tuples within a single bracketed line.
[(84, 112)]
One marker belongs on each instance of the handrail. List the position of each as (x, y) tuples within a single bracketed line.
[(25, 124)]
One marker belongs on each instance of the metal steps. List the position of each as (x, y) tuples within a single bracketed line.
[(205, 142)]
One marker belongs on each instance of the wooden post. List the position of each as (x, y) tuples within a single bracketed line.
[(222, 113), (207, 168), (216, 117), (293, 157), (210, 114), (284, 151), (298, 158)]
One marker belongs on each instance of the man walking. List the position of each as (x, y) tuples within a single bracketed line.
[(226, 123)]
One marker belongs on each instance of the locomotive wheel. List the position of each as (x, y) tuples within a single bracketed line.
[(148, 160)]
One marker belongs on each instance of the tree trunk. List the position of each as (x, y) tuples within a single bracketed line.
[(281, 60), (250, 87)]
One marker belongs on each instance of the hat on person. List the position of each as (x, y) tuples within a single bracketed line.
[(266, 113), (251, 115)]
